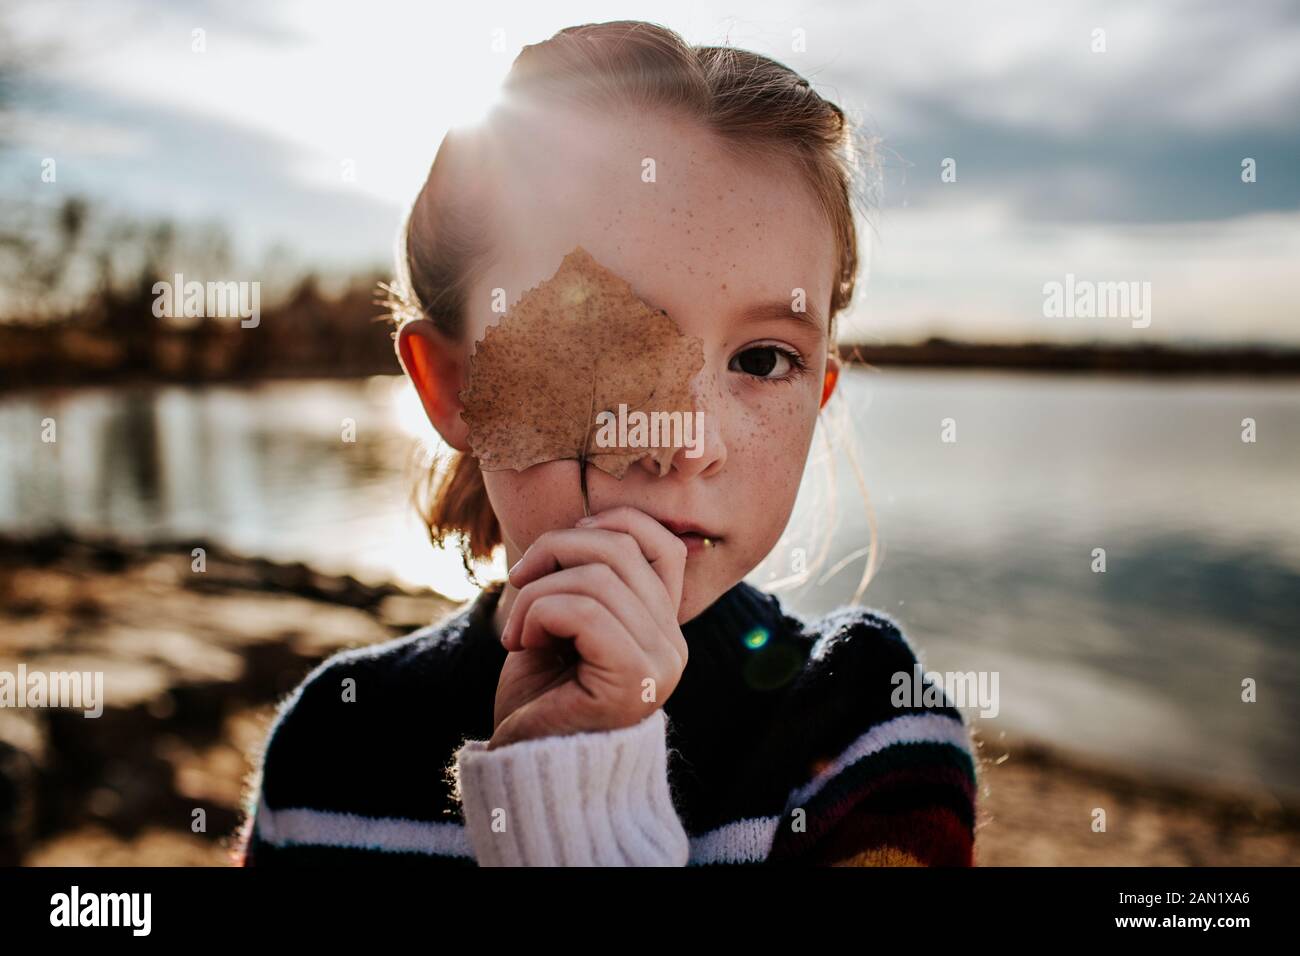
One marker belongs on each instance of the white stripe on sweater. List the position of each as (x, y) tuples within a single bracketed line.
[(741, 841), (300, 826)]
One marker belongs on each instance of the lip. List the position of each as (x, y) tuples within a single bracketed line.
[(695, 543), (688, 527), (692, 534)]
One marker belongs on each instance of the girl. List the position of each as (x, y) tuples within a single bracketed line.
[(625, 697)]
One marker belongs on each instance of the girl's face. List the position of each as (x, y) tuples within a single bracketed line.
[(719, 241)]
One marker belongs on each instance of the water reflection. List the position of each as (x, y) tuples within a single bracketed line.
[(267, 470), (989, 541)]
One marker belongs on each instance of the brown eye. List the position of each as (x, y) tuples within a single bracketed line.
[(760, 362)]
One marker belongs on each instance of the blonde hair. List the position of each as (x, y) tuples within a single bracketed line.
[(754, 105)]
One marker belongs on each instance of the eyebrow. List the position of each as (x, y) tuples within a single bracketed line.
[(781, 310)]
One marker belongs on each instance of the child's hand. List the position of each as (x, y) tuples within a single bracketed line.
[(594, 619)]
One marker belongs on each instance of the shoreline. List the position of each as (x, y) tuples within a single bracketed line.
[(44, 364), (1098, 358), (200, 659)]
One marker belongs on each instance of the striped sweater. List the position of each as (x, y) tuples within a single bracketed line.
[(780, 744)]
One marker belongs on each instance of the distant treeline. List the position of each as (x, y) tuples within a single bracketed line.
[(81, 306), (309, 336), (1050, 357), (317, 336)]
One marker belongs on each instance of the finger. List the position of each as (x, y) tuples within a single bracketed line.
[(599, 639), (664, 550), (571, 547), (597, 581)]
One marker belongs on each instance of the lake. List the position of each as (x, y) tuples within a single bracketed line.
[(988, 541)]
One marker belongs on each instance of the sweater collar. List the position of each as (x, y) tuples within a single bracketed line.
[(751, 636)]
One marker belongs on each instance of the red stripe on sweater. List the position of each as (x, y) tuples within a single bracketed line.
[(934, 835), (835, 830)]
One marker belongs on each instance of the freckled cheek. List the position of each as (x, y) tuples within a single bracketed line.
[(772, 427), (768, 451), (758, 500), (534, 500), (765, 464)]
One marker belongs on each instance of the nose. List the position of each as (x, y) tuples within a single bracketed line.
[(701, 435)]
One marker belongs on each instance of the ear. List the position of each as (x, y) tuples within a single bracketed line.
[(434, 365), (832, 376)]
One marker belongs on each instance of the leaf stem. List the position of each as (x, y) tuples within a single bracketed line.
[(586, 441), (582, 477)]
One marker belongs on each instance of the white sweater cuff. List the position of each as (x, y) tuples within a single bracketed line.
[(588, 799)]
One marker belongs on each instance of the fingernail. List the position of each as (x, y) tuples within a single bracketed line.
[(584, 522), (513, 566)]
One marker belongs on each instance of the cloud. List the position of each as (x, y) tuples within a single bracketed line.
[(151, 160), (1154, 129), (1114, 165)]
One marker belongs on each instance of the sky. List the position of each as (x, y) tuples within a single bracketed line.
[(1114, 164)]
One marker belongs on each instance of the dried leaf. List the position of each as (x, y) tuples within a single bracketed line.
[(577, 344)]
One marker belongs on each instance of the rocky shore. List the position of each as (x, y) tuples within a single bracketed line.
[(194, 662)]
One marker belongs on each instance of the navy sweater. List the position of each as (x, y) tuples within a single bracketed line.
[(783, 745)]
